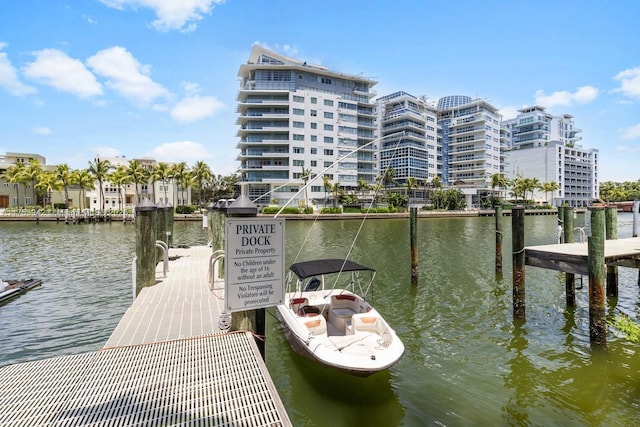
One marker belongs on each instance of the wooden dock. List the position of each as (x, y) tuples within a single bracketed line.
[(168, 362), (573, 257)]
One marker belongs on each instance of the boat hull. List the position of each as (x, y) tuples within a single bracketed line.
[(17, 288)]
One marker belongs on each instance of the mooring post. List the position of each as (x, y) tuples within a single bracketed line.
[(413, 230), (597, 300), (568, 236), (636, 204), (517, 238), (171, 212), (611, 228), (249, 320), (161, 228), (146, 217), (498, 218)]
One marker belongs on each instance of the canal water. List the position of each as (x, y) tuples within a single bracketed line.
[(467, 362)]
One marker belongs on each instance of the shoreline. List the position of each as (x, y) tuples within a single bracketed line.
[(307, 217)]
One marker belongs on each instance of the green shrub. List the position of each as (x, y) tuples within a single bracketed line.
[(184, 209), (275, 209), (337, 210)]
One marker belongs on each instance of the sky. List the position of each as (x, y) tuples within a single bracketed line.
[(158, 78)]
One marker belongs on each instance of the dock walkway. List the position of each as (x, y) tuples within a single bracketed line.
[(166, 363), (573, 257)]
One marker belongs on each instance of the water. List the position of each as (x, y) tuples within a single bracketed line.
[(467, 362)]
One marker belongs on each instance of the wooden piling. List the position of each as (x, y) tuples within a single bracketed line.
[(146, 217), (413, 231), (498, 218), (597, 300), (611, 233), (636, 204), (568, 237), (161, 228), (517, 238), (171, 213)]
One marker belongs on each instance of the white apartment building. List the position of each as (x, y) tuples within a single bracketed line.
[(544, 146), (408, 137), (295, 117), (470, 138)]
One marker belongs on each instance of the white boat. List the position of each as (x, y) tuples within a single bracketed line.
[(336, 326)]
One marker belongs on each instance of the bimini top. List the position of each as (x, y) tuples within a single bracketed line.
[(325, 266)]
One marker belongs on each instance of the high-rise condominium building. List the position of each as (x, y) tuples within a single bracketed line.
[(300, 120), (545, 147), (408, 137), (469, 134)]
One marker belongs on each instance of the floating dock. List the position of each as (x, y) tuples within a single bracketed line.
[(166, 363)]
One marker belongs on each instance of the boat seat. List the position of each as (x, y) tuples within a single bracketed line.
[(366, 322), (343, 306), (316, 324), (297, 303)]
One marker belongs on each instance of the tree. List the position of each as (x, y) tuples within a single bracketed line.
[(83, 179), (436, 182), (137, 174), (179, 172), (63, 174), (305, 175), (388, 178), (47, 183), (335, 189), (161, 172), (411, 184), (498, 180), (120, 178), (99, 169), (201, 174), (549, 187), (32, 173), (15, 174), (326, 182)]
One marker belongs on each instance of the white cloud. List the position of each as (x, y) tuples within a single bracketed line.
[(194, 108), (509, 112), (627, 149), (182, 151), (582, 95), (41, 130), (629, 82), (102, 151), (9, 77), (171, 14), (631, 132), (58, 70), (126, 75), (284, 49)]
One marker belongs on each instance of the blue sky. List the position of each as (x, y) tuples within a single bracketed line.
[(158, 78)]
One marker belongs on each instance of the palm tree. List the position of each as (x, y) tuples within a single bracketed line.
[(549, 187), (84, 180), (335, 188), (137, 174), (47, 183), (436, 182), (99, 169), (63, 174), (305, 175), (411, 184), (326, 181), (120, 178), (15, 174), (178, 171), (32, 173), (498, 180), (388, 178), (201, 173), (161, 172)]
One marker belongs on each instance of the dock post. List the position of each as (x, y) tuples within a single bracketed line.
[(517, 238), (611, 233), (413, 230), (169, 227), (249, 320), (568, 237), (146, 217), (161, 227), (498, 218), (597, 300), (635, 218)]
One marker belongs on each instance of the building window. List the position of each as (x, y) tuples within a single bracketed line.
[(298, 124), (314, 163), (314, 100), (328, 103), (298, 137), (328, 115), (314, 150), (314, 113), (328, 140), (328, 127), (298, 163), (298, 150), (328, 152), (314, 126), (297, 98), (314, 138)]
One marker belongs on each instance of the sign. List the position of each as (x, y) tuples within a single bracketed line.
[(254, 263)]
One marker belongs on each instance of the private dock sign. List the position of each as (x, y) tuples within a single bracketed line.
[(254, 263)]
